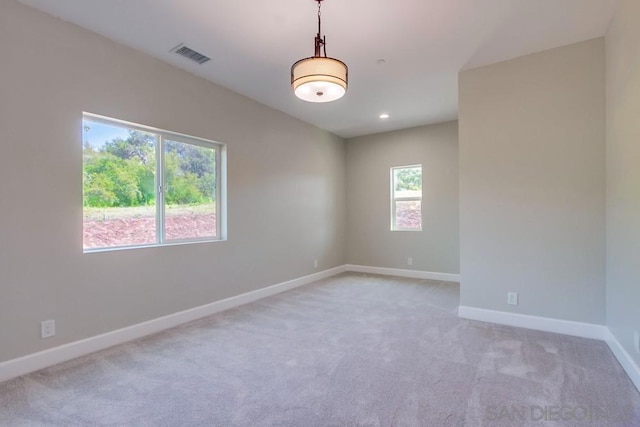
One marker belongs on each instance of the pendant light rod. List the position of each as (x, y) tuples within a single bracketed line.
[(321, 41)]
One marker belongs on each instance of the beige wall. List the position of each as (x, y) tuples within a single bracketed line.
[(532, 184), (623, 175), (286, 187), (369, 159), (532, 178)]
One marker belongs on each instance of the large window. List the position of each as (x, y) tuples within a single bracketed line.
[(145, 186), (406, 198)]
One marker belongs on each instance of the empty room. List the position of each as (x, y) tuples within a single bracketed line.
[(320, 213)]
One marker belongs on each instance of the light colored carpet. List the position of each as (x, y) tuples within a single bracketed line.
[(353, 350)]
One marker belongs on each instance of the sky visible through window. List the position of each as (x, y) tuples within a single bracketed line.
[(97, 133)]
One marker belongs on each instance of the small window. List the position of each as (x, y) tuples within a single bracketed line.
[(145, 186), (406, 198)]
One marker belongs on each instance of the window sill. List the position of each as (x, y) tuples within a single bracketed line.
[(154, 245)]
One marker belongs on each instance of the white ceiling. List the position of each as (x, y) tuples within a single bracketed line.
[(424, 42)]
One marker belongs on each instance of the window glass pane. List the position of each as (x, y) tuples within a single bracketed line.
[(190, 191), (407, 198), (118, 186), (409, 215), (407, 182)]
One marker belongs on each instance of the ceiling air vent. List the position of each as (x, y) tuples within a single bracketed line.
[(189, 53)]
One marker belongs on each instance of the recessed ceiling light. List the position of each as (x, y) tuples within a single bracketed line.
[(384, 116)]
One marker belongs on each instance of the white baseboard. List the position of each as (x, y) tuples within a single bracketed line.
[(567, 327), (43, 359), (399, 272), (625, 359)]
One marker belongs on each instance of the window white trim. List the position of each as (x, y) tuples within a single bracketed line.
[(395, 199), (160, 179)]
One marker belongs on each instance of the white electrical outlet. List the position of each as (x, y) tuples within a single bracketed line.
[(636, 341), (410, 261), (315, 263), (47, 328), (512, 298)]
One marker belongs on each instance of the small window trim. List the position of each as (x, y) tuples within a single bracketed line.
[(394, 199), (221, 183)]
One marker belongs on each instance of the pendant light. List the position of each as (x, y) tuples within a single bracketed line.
[(319, 78)]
